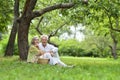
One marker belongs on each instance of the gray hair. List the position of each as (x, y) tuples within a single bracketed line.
[(46, 36), (34, 38)]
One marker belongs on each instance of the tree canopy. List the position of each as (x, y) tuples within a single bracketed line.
[(99, 18)]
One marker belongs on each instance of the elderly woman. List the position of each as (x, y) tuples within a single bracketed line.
[(34, 51)]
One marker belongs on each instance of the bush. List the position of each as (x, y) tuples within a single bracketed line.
[(15, 49), (74, 48), (3, 44), (70, 48)]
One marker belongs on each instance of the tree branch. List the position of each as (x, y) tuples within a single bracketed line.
[(50, 8), (53, 33), (118, 30), (29, 6), (109, 17), (111, 27), (37, 28), (16, 9)]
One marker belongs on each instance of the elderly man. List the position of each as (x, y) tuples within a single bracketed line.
[(48, 48)]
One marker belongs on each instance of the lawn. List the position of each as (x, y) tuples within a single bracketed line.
[(11, 68)]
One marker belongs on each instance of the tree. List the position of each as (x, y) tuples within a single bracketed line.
[(24, 21), (10, 45), (103, 18)]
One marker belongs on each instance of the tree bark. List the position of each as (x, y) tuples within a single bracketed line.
[(114, 46), (23, 37), (23, 30), (50, 8), (10, 45)]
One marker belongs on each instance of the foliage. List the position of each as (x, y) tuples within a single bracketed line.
[(2, 47), (70, 47), (5, 14), (52, 20), (92, 47), (98, 45), (15, 49), (85, 69), (75, 48), (99, 16), (3, 44)]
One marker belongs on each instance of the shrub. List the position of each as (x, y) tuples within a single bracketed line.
[(3, 44), (74, 48), (15, 49), (70, 48)]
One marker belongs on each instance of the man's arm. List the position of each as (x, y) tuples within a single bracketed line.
[(55, 51)]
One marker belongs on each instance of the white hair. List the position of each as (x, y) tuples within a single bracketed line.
[(46, 36), (36, 37)]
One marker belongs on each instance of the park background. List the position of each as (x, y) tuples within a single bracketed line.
[(85, 31)]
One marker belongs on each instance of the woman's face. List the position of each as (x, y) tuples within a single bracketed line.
[(35, 42)]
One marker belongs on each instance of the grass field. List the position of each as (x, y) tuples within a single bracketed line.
[(11, 68)]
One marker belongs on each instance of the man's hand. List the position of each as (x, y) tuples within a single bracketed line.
[(51, 52)]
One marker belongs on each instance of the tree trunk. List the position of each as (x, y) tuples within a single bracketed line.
[(23, 37), (114, 53), (114, 47), (112, 34), (10, 45)]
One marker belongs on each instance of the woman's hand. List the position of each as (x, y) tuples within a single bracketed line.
[(36, 45), (42, 52), (38, 54)]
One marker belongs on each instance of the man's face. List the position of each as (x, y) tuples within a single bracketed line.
[(44, 41)]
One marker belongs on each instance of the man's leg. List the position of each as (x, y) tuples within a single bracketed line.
[(52, 60), (61, 63), (56, 55)]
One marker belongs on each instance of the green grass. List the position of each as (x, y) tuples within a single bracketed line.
[(11, 68)]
